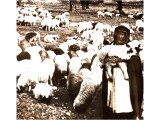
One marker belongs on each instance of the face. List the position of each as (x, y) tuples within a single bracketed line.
[(121, 38)]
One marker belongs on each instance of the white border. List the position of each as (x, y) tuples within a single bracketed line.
[(7, 60), (152, 53)]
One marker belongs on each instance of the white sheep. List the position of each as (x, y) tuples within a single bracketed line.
[(22, 66), (74, 65), (43, 90), (73, 24), (119, 51), (51, 54), (136, 46), (139, 25), (130, 16), (108, 14), (86, 34), (55, 24), (30, 20), (100, 14), (85, 25), (65, 22), (96, 70), (99, 26), (34, 52), (49, 24), (36, 73), (98, 37), (50, 38), (61, 69), (61, 62), (64, 46)]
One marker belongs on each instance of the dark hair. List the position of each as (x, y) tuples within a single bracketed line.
[(121, 35)]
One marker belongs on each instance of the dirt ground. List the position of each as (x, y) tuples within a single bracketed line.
[(60, 106)]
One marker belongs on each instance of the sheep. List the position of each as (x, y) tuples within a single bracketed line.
[(59, 17), (130, 16), (136, 46), (61, 70), (124, 52), (36, 73), (55, 24), (96, 69), (98, 37), (118, 51), (86, 56), (72, 41), (43, 91), (73, 85), (34, 52), (49, 38), (29, 20), (78, 72), (85, 25), (49, 24), (73, 24), (74, 65), (108, 14), (65, 22), (64, 46), (99, 26), (86, 34), (22, 66), (65, 14), (139, 25), (100, 14), (51, 54), (86, 92), (92, 47)]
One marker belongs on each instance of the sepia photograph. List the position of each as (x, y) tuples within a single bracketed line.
[(69, 63)]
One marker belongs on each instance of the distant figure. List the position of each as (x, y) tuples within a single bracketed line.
[(71, 4), (119, 7), (85, 4)]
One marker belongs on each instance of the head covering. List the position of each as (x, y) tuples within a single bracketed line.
[(121, 35)]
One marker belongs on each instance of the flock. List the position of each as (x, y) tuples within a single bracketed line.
[(76, 63)]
